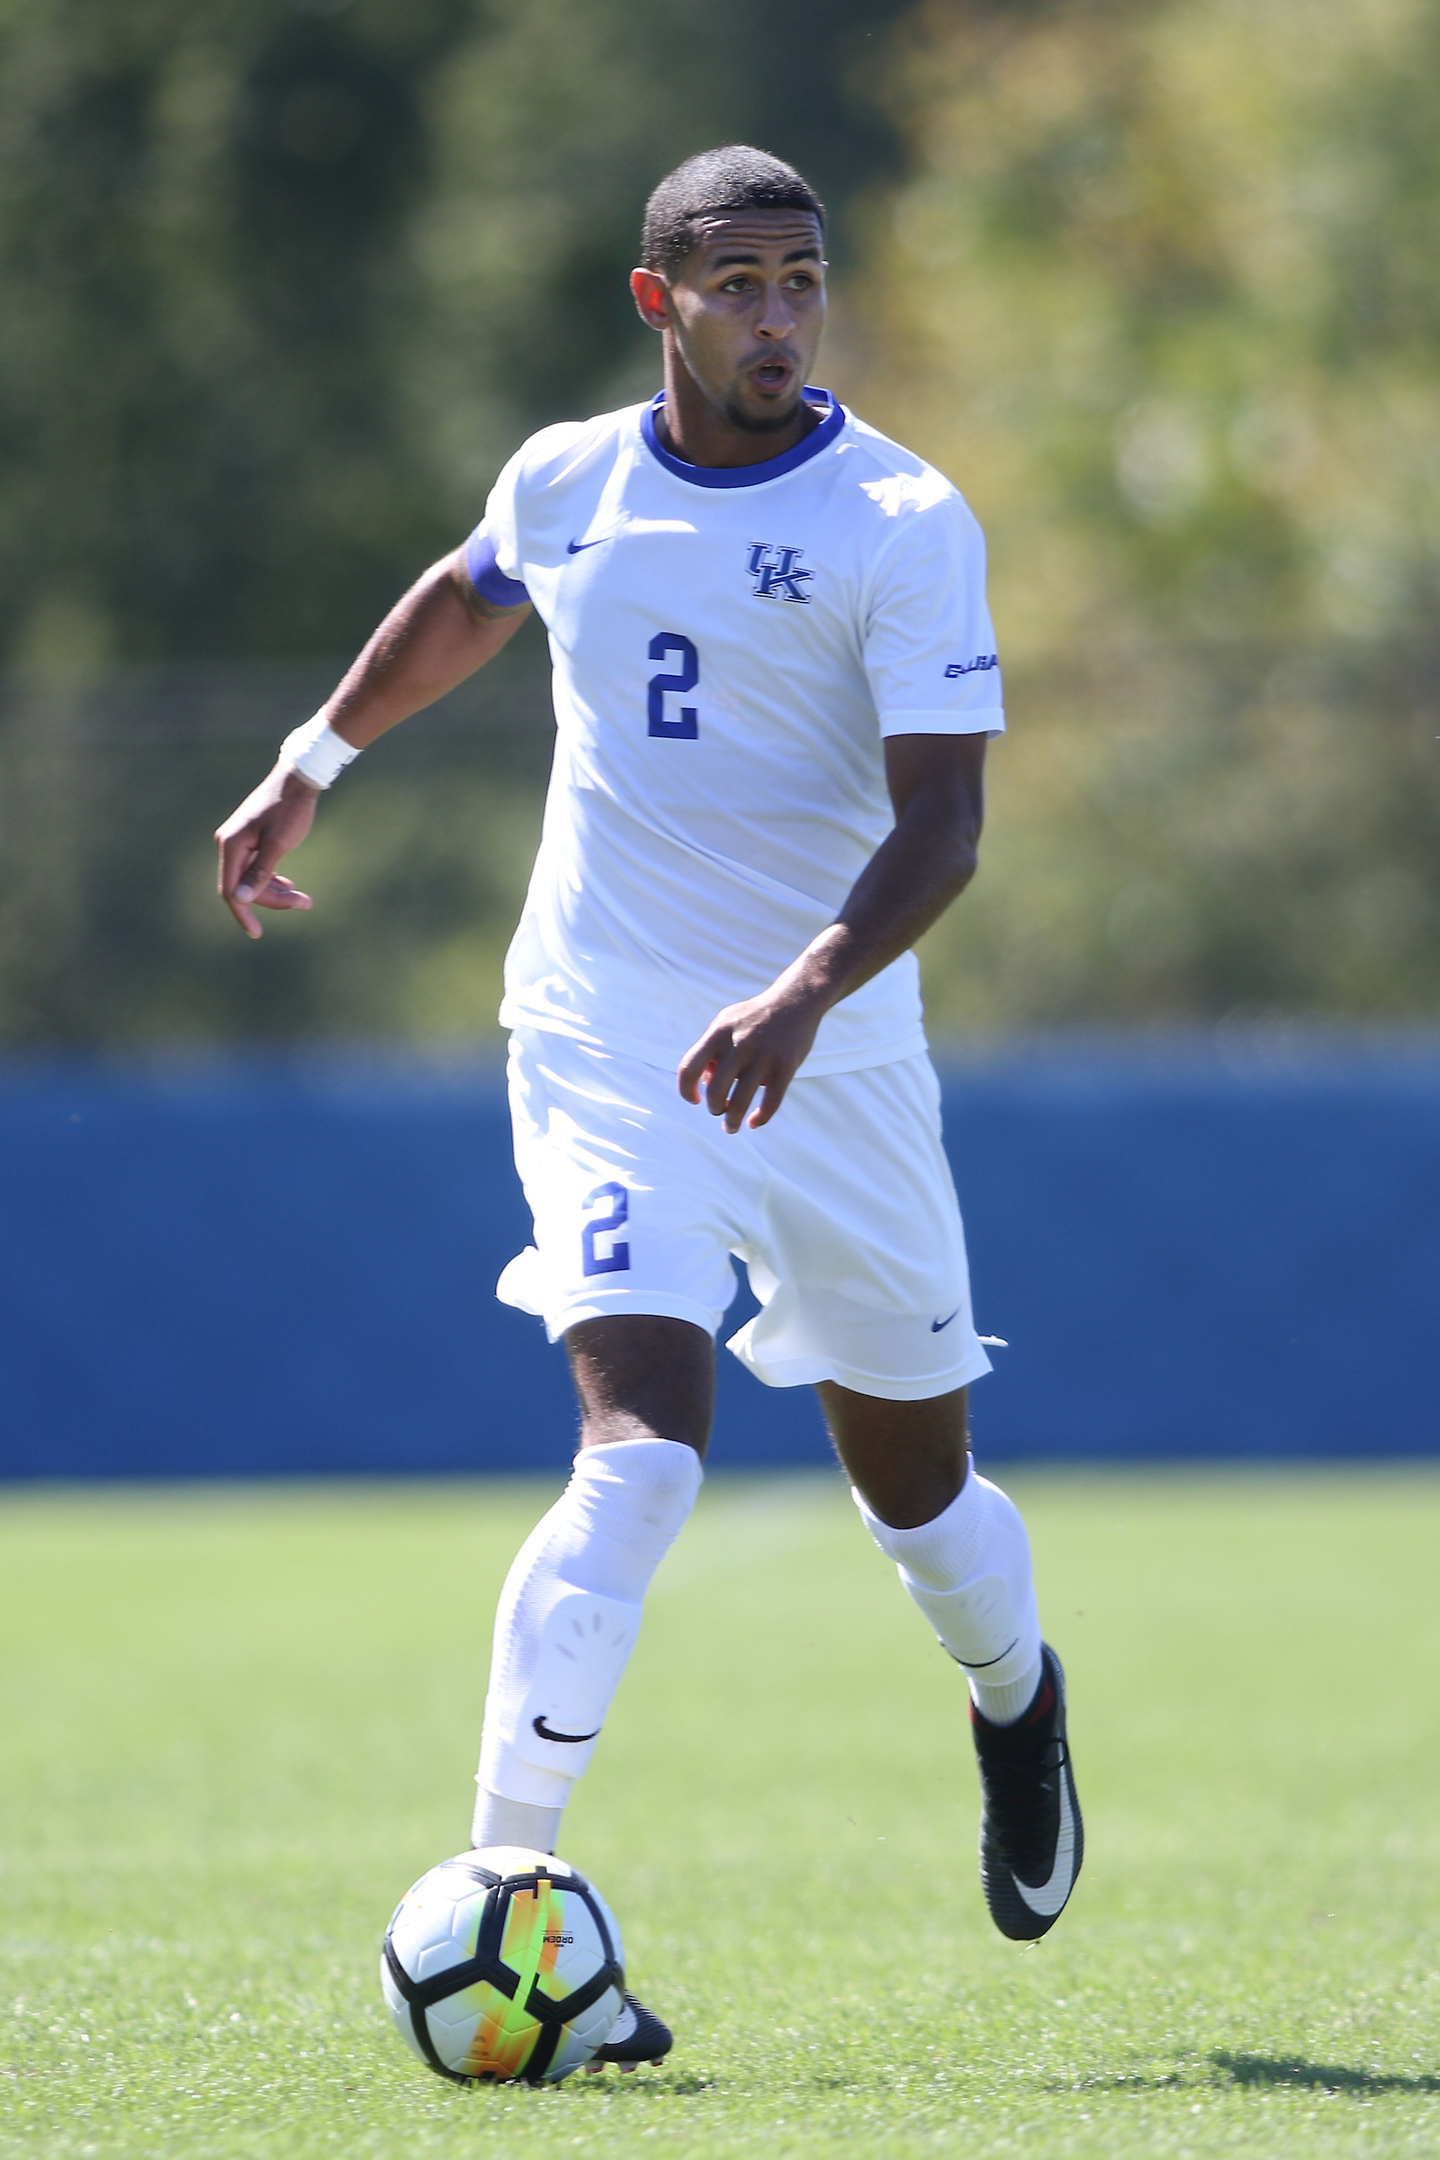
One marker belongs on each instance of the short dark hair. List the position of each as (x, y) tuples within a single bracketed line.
[(734, 177)]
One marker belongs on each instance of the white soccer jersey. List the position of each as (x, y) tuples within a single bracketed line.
[(730, 646)]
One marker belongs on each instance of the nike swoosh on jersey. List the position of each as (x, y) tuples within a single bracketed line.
[(573, 1739), (633, 527), (936, 1325), (1047, 1898)]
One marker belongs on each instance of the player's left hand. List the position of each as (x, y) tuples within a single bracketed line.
[(755, 1047)]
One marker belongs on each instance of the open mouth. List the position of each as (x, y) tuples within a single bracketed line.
[(771, 375)]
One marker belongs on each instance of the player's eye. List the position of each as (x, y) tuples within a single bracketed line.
[(736, 284)]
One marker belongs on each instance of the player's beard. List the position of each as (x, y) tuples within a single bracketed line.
[(769, 423), (777, 418)]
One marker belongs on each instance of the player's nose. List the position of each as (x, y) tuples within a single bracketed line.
[(776, 319)]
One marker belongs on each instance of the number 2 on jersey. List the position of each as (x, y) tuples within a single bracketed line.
[(687, 726)]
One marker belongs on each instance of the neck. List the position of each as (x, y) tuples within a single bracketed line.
[(700, 433)]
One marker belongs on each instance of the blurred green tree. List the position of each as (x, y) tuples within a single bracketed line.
[(203, 239), (1160, 294)]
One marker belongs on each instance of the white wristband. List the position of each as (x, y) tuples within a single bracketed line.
[(316, 752)]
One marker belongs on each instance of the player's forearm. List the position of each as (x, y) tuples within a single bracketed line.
[(908, 883), (910, 880), (432, 639)]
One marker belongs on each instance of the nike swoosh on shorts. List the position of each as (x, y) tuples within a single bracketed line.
[(578, 547), (936, 1325)]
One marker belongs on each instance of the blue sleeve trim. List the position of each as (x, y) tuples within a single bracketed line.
[(485, 574)]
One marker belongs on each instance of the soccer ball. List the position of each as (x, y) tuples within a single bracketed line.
[(503, 1965)]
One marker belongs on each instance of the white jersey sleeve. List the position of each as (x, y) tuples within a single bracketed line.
[(495, 551), (929, 645)]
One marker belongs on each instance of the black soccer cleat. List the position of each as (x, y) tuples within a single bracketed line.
[(643, 2039), (1031, 1837)]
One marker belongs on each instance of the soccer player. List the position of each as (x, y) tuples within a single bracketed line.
[(774, 682)]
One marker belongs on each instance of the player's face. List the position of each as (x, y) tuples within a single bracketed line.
[(746, 309)]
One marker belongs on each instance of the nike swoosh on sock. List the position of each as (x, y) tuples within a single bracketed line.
[(572, 1738)]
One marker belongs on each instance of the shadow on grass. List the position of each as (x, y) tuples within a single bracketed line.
[(1258, 2072), (636, 2085), (1319, 2077)]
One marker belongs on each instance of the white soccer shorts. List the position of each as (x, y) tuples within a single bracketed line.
[(842, 1208)]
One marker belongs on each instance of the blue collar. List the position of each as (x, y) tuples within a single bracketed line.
[(738, 476)]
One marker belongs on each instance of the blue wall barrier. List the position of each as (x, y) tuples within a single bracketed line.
[(286, 1267)]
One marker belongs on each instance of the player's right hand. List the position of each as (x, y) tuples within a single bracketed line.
[(271, 821)]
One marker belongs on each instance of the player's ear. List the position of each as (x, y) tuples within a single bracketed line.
[(652, 298)]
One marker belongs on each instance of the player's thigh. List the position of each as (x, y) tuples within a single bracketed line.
[(626, 1188), (640, 1376), (907, 1460)]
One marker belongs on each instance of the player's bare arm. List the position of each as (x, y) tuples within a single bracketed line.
[(439, 633), (758, 1045)]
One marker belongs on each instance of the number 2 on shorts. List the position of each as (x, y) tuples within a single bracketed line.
[(617, 1260), (687, 726)]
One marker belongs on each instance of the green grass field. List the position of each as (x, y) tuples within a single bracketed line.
[(234, 1725)]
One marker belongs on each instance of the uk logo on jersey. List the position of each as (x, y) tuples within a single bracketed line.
[(776, 577)]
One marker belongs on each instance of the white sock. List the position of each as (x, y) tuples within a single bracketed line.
[(567, 1621), (969, 1572), (498, 1821)]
